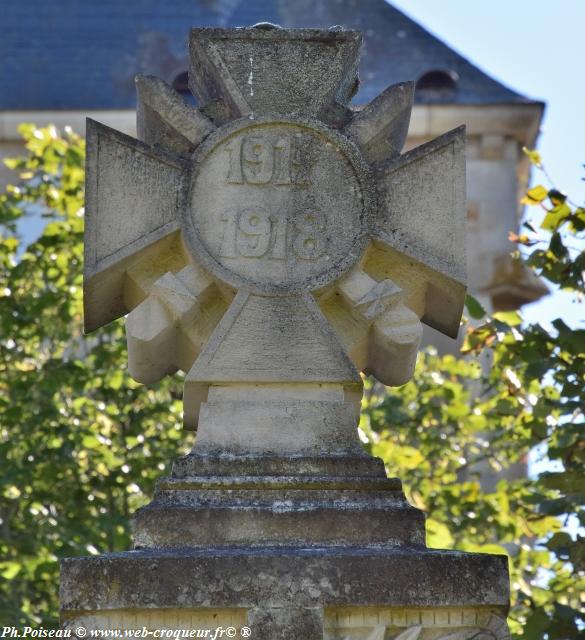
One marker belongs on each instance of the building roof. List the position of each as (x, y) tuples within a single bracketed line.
[(72, 54)]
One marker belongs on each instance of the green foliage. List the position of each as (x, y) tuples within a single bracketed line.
[(521, 389), (81, 443), (474, 307)]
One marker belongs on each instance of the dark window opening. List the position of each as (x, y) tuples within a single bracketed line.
[(436, 85), (181, 85)]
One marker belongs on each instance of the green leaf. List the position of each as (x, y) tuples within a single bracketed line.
[(438, 535), (555, 217), (9, 570), (560, 540), (511, 318), (474, 307), (557, 247)]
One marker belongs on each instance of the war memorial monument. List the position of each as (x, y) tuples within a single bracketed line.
[(272, 244)]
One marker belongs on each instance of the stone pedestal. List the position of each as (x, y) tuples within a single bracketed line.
[(300, 548), (272, 244), (343, 593)]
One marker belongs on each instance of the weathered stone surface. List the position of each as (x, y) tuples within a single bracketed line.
[(273, 244), (377, 328), (422, 214), (220, 465), (260, 333), (275, 577), (132, 200), (292, 426), (168, 329), (164, 118), (303, 72), (380, 128), (272, 512), (278, 206), (286, 623)]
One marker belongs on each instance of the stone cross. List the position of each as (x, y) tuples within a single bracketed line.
[(273, 242)]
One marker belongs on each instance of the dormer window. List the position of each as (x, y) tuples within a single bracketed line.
[(437, 85), (181, 85)]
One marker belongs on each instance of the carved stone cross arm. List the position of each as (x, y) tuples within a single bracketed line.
[(273, 239)]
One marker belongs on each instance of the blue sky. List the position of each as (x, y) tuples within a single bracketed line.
[(536, 48)]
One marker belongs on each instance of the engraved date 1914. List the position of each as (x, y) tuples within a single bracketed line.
[(261, 160), (256, 233)]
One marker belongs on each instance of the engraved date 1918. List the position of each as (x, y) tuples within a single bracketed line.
[(256, 233)]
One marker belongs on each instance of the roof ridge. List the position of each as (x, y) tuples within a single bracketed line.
[(441, 43)]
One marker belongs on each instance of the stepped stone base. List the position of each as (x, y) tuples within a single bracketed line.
[(305, 594), (297, 548), (259, 502)]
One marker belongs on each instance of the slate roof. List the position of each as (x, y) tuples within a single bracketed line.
[(83, 54)]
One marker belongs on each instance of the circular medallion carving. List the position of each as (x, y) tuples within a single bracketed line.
[(278, 206)]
